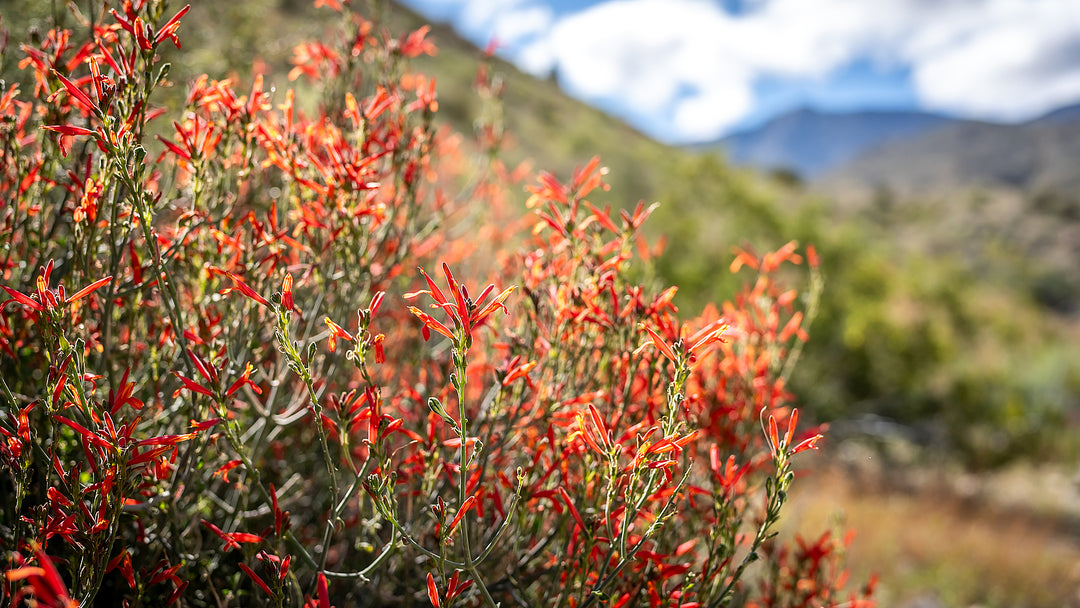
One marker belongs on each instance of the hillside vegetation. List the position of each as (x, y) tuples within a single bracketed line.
[(952, 344), (953, 334), (1035, 156)]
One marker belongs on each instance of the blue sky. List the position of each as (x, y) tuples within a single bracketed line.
[(687, 71)]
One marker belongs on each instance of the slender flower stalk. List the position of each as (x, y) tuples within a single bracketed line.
[(465, 316)]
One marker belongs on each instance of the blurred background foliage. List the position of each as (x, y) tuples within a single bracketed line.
[(960, 339)]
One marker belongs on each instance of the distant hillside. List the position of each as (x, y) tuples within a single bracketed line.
[(1039, 156), (810, 143), (996, 195)]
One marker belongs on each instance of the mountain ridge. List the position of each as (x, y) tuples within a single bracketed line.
[(819, 145), (810, 142), (1038, 156)]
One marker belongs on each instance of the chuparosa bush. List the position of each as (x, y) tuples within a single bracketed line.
[(254, 355)]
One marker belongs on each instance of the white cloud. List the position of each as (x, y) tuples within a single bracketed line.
[(524, 23), (1021, 60), (685, 69), (659, 59), (482, 20), (535, 58), (705, 116)]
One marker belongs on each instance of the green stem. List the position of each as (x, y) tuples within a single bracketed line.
[(776, 492), (463, 475)]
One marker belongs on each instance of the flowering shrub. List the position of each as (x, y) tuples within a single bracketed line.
[(218, 388)]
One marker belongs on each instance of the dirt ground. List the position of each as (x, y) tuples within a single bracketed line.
[(941, 538)]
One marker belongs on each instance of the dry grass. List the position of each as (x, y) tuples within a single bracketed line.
[(933, 546)]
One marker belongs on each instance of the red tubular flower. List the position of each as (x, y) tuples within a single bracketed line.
[(770, 261), (518, 371), (24, 299), (69, 130), (660, 344), (784, 447), (255, 577), (588, 178), (242, 287), (380, 102), (812, 256), (192, 386), (773, 436), (245, 378), (279, 516), (549, 189), (707, 336), (205, 370), (77, 94), (425, 96), (492, 306), (223, 470), (123, 562), (380, 351), (202, 426), (336, 332), (323, 590), (453, 589), (44, 582), (603, 217), (87, 434), (286, 292), (415, 45), (432, 591), (168, 31), (806, 444), (197, 139), (673, 443), (586, 435), (232, 539), (565, 496), (469, 503), (175, 149), (743, 258), (85, 291), (599, 437), (465, 313), (727, 473), (48, 299), (431, 323), (793, 327)]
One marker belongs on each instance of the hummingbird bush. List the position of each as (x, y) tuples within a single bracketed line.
[(256, 352)]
